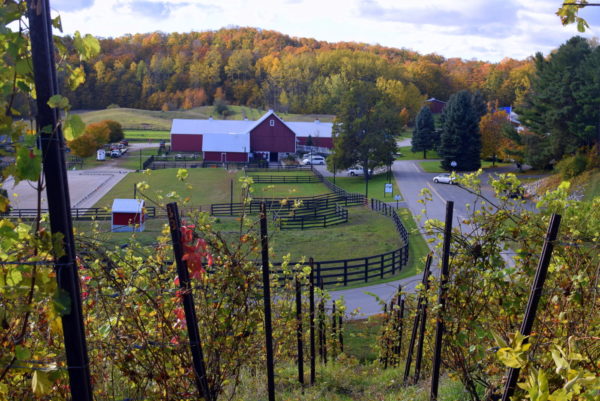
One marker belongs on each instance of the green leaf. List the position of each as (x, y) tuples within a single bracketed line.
[(22, 353), (61, 302), (73, 126), (40, 383), (23, 67), (28, 164), (87, 46), (57, 23), (58, 101)]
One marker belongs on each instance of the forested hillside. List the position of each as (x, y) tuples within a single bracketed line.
[(260, 68)]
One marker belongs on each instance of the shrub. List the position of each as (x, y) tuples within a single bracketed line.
[(570, 167)]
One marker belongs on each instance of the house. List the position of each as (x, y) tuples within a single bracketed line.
[(127, 215), (268, 138), (436, 106)]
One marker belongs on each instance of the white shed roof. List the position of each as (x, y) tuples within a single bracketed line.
[(315, 129), (127, 205), (226, 142)]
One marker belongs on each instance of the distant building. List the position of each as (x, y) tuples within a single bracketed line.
[(436, 106), (128, 215), (268, 138)]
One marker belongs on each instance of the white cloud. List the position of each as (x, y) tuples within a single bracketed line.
[(482, 29)]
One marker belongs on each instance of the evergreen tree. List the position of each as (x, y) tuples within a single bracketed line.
[(479, 104), (460, 141), (563, 107), (423, 138)]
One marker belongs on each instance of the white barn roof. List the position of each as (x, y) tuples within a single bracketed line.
[(127, 205), (226, 142), (315, 129)]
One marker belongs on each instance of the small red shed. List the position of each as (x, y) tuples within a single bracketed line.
[(128, 215)]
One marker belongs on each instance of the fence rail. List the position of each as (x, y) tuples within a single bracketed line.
[(312, 218), (349, 271), (289, 179), (92, 213)]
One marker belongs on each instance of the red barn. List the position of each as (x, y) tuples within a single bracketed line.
[(237, 141), (436, 106), (128, 215)]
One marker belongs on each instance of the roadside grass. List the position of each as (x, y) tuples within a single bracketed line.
[(137, 119), (407, 154), (376, 186), (288, 190), (433, 166), (207, 186), (282, 173), (593, 186)]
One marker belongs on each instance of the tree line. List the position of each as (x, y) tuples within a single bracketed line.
[(262, 68)]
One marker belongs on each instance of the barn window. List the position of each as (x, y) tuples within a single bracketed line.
[(272, 123)]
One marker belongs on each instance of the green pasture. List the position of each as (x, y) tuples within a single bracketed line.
[(145, 135), (376, 186), (202, 187), (433, 166)]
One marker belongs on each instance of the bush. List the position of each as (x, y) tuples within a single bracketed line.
[(113, 106), (570, 167), (115, 130)]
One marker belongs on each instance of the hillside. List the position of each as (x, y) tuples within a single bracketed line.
[(161, 120)]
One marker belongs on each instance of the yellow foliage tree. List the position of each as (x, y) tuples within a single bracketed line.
[(492, 139), (95, 135)]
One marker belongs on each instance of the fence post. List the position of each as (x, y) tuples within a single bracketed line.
[(311, 311), (393, 263), (299, 332), (264, 239), (55, 173), (534, 297), (366, 270), (345, 273), (439, 331), (188, 304), (382, 262), (333, 327), (419, 356), (413, 336)]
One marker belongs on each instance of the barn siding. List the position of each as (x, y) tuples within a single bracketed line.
[(186, 143), (124, 219), (320, 142), (229, 157), (279, 138)]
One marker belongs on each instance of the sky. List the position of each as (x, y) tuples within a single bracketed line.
[(487, 30)]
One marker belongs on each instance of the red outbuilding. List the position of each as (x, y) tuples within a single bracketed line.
[(128, 215)]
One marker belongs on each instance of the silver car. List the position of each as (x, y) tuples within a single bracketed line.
[(445, 178)]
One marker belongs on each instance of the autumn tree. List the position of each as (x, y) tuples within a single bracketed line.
[(423, 138), (460, 141), (95, 135), (115, 130), (492, 127)]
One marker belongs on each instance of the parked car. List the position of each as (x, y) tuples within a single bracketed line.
[(358, 170), (313, 159), (115, 153), (445, 178)]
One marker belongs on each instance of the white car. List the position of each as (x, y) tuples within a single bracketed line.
[(445, 178), (358, 170), (314, 159)]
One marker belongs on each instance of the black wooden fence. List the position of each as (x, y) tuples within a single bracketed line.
[(301, 219), (90, 213), (349, 271), (285, 179), (387, 210)]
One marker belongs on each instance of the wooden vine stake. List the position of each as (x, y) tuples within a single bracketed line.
[(534, 298), (439, 330), (188, 304), (415, 327), (264, 240), (311, 311), (300, 345), (57, 187)]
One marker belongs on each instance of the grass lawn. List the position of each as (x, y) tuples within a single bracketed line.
[(408, 154), (433, 166), (282, 173), (376, 186), (207, 186), (136, 119), (288, 190), (144, 135)]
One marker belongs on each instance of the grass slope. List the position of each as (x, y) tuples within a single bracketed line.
[(136, 119), (376, 186)]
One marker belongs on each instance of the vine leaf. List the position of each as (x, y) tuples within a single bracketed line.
[(28, 164), (73, 126), (87, 46), (61, 302), (58, 101), (40, 383)]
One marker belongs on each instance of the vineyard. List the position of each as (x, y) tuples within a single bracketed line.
[(507, 306)]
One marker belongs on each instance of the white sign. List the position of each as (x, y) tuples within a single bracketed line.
[(388, 188), (397, 197)]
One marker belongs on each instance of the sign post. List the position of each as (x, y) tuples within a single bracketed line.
[(397, 197)]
